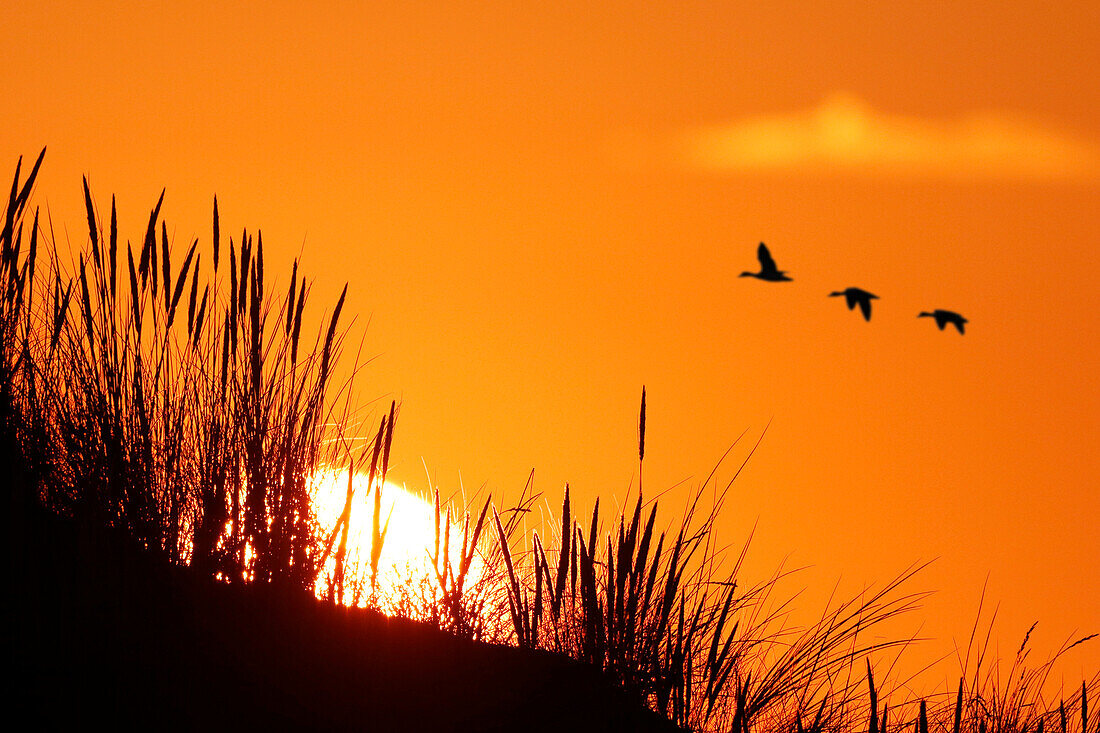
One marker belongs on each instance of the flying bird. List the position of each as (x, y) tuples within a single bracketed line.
[(768, 270), (944, 317), (858, 296)]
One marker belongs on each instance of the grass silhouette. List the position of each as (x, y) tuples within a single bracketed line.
[(162, 427)]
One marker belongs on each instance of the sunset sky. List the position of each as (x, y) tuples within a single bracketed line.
[(541, 207)]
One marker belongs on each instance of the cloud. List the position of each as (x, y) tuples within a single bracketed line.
[(845, 135)]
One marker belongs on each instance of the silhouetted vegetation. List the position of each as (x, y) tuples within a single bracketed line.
[(171, 402), (183, 412)]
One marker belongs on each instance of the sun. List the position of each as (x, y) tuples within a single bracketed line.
[(407, 580)]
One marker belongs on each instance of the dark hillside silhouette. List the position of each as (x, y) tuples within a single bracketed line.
[(100, 632)]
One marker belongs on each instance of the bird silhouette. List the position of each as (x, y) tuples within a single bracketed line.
[(944, 317), (858, 296), (768, 270)]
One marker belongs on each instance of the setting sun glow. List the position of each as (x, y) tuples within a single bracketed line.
[(406, 574)]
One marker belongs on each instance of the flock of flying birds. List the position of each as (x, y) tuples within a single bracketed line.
[(854, 296)]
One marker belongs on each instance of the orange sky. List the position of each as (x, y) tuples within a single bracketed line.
[(540, 210)]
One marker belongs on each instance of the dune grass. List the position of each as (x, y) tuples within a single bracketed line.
[(155, 399), (180, 405)]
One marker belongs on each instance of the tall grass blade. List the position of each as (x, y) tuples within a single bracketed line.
[(93, 230)]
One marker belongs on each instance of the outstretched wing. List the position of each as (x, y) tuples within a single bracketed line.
[(767, 264), (865, 306), (959, 325), (851, 297)]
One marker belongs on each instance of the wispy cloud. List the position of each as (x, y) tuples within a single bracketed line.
[(844, 134)]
